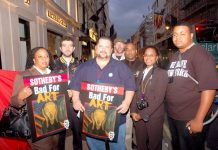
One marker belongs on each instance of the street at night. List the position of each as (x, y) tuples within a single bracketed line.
[(109, 74)]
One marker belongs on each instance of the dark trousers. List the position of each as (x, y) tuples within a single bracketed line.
[(77, 133), (149, 134), (212, 138), (181, 139)]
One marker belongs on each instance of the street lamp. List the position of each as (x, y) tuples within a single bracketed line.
[(167, 27)]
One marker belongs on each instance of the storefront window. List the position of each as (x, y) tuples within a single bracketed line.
[(58, 2), (62, 4), (24, 31), (53, 43)]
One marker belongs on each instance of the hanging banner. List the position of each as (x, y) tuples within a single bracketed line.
[(100, 119), (49, 106)]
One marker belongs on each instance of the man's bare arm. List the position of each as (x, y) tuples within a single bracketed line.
[(77, 105), (196, 124), (123, 108)]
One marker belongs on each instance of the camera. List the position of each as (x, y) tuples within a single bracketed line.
[(141, 104)]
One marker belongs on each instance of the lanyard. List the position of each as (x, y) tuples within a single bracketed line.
[(144, 86)]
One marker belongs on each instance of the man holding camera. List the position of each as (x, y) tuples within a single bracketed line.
[(147, 108)]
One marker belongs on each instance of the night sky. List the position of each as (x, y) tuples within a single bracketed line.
[(127, 15)]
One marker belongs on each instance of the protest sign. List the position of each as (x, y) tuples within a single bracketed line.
[(100, 119), (48, 105)]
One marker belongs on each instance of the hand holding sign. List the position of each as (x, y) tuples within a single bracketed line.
[(24, 93), (77, 105), (101, 100)]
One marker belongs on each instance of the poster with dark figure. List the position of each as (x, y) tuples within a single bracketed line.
[(49, 106), (100, 118)]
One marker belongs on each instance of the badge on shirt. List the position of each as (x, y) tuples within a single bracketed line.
[(110, 75)]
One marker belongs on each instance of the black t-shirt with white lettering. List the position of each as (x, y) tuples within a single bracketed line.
[(183, 94)]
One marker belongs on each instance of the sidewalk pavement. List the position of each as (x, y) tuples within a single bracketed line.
[(165, 143), (69, 141)]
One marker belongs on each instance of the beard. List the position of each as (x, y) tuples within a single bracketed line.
[(120, 51), (102, 55), (67, 54)]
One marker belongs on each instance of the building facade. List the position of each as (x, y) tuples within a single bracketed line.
[(25, 24), (198, 11), (166, 13), (95, 23)]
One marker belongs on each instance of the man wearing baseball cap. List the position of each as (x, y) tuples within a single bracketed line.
[(119, 45)]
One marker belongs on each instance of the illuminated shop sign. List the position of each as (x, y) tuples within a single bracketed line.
[(56, 18), (84, 43), (27, 2), (93, 34)]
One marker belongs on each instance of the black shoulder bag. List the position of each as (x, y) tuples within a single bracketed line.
[(15, 122)]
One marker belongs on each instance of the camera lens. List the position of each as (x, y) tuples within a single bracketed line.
[(141, 104)]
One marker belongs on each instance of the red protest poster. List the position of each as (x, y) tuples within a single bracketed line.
[(100, 119), (48, 105)]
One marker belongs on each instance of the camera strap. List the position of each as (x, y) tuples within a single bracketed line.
[(144, 84), (180, 64)]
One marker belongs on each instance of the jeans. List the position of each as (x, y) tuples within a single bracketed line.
[(95, 144), (181, 139), (129, 129), (77, 134)]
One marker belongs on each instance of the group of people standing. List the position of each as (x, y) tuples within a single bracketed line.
[(187, 88), (147, 107)]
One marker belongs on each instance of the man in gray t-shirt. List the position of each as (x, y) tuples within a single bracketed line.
[(192, 85)]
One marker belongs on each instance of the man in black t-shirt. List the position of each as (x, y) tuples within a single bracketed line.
[(135, 66), (192, 85)]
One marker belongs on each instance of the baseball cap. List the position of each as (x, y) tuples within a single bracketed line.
[(119, 40)]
